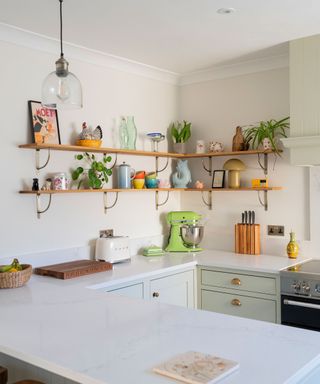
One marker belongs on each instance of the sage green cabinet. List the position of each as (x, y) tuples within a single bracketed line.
[(170, 288), (239, 293), (177, 289)]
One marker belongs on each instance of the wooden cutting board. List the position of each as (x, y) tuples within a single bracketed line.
[(73, 269)]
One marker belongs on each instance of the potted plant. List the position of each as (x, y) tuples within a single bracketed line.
[(266, 133), (181, 133), (95, 175)]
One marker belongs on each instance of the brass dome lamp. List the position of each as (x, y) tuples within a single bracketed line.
[(234, 167)]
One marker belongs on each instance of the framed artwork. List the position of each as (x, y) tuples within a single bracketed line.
[(218, 178), (44, 123)]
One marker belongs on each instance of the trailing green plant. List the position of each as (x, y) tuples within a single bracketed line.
[(270, 129), (96, 174), (181, 131)]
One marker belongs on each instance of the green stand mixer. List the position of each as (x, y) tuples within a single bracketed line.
[(185, 231)]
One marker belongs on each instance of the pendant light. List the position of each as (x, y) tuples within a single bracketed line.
[(61, 88)]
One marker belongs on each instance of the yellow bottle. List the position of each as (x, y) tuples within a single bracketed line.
[(292, 247)]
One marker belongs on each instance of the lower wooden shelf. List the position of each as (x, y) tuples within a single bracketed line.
[(52, 192), (116, 191)]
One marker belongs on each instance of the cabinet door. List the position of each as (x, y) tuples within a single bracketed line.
[(239, 305), (134, 291), (175, 289)]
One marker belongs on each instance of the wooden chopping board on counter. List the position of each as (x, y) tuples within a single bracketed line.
[(73, 269)]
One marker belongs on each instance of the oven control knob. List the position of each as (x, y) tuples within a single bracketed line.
[(317, 288), (305, 288), (296, 286)]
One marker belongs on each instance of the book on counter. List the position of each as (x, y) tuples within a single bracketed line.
[(197, 368)]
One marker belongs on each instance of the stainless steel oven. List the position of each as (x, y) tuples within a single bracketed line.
[(300, 295)]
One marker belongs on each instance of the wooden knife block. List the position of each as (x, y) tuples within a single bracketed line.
[(247, 239)]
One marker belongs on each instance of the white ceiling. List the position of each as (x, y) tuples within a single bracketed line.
[(177, 35)]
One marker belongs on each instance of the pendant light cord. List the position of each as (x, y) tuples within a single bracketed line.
[(61, 47)]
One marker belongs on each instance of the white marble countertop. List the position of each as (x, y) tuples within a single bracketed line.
[(94, 337), (141, 267)]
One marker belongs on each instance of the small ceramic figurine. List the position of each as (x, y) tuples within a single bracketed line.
[(215, 146), (164, 183), (199, 184), (47, 185), (89, 133)]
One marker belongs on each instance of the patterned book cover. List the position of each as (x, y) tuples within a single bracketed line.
[(197, 368)]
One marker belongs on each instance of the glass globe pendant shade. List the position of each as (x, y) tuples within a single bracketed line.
[(61, 88)]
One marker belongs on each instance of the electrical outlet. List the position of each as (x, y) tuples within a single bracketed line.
[(275, 230), (106, 233)]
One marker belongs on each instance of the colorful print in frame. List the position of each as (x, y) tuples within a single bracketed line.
[(44, 123)]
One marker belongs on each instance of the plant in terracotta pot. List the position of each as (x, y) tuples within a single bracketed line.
[(181, 133), (265, 134), (96, 173)]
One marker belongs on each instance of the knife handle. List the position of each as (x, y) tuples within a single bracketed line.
[(242, 218), (246, 217), (253, 217)]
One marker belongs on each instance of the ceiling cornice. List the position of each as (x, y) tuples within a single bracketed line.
[(22, 37), (18, 36), (238, 69)]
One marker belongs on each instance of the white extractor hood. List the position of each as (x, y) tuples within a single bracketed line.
[(304, 140)]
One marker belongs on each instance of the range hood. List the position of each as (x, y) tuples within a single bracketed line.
[(304, 140)]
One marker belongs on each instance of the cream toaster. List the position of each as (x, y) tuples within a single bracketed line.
[(112, 249)]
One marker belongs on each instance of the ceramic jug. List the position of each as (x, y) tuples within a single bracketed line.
[(125, 175)]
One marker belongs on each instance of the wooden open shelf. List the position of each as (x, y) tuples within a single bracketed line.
[(66, 191), (156, 155), (77, 148)]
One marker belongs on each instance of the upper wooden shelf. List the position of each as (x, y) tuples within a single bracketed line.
[(77, 148)]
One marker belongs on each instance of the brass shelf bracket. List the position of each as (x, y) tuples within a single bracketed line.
[(157, 199), (207, 202), (264, 166), (115, 161), (38, 166), (105, 205), (263, 202), (38, 202), (157, 165), (209, 169)]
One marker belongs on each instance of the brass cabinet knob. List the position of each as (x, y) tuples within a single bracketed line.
[(236, 281), (155, 294), (236, 302)]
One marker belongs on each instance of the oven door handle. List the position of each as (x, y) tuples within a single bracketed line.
[(301, 304)]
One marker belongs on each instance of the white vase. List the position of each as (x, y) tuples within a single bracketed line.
[(266, 143)]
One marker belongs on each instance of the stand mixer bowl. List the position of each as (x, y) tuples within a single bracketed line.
[(192, 234)]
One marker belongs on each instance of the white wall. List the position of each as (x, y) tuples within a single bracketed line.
[(74, 220), (215, 108)]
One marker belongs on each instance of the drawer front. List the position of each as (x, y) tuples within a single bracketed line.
[(135, 291), (241, 282), (239, 305)]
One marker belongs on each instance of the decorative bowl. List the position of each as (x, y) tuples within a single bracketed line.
[(192, 234), (151, 175), (16, 279), (89, 143), (140, 175), (152, 183), (138, 183)]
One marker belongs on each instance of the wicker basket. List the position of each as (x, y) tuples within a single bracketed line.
[(15, 279)]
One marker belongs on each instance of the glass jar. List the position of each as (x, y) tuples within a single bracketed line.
[(59, 181), (123, 134)]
